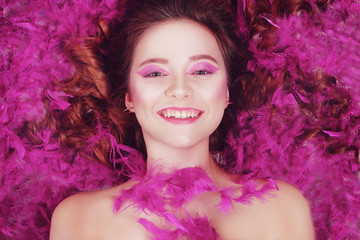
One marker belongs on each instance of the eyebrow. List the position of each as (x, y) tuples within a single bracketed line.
[(165, 61), (154, 60), (202, 56)]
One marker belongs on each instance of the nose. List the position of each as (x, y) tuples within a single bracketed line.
[(179, 88)]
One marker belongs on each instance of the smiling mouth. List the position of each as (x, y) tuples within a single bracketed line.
[(180, 114)]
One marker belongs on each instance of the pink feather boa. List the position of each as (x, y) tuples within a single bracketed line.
[(158, 192)]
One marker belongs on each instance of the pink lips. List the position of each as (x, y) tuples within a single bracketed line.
[(180, 115)]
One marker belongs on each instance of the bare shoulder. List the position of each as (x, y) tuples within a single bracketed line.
[(80, 215), (284, 214), (73, 216), (290, 213), (287, 196)]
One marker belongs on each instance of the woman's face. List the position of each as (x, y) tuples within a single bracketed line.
[(178, 84)]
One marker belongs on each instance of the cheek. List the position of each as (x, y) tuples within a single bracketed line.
[(135, 93), (218, 92), (136, 90), (142, 94), (223, 90)]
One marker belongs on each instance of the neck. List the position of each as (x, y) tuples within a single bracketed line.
[(169, 158)]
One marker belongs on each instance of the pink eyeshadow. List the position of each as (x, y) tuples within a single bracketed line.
[(149, 69), (203, 66)]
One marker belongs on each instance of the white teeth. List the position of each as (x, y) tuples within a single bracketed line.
[(180, 114)]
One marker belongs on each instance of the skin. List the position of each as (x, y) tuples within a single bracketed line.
[(168, 72), (177, 59)]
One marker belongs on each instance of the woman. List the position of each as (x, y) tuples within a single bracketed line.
[(175, 65)]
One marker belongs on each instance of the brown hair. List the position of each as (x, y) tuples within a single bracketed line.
[(327, 99), (102, 66)]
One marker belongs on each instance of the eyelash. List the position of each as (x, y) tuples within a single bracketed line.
[(160, 74), (202, 72), (154, 75)]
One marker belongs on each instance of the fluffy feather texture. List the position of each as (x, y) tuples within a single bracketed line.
[(328, 43), (166, 193), (34, 179), (187, 227)]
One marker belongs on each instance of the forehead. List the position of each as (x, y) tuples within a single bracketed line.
[(176, 39)]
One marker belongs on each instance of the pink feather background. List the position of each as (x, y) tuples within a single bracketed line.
[(34, 179)]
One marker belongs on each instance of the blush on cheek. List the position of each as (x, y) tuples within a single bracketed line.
[(216, 92), (222, 93), (133, 93), (141, 92)]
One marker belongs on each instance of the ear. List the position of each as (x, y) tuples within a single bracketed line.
[(128, 102), (227, 98)]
